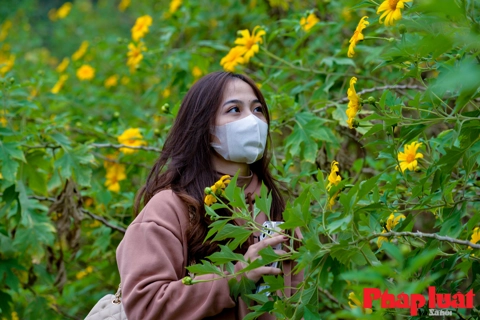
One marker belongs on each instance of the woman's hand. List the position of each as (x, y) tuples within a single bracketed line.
[(252, 254)]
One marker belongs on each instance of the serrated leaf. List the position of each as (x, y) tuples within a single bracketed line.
[(225, 255), (74, 161), (238, 234), (6, 273), (264, 202), (244, 286), (204, 268)]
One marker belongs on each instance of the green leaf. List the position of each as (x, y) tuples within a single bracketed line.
[(35, 172), (74, 161), (7, 275), (264, 202), (11, 149), (244, 286), (225, 255), (367, 186), (34, 239), (237, 233), (5, 302), (267, 256), (60, 139), (215, 227), (204, 268)]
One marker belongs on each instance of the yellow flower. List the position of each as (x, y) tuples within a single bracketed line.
[(81, 51), (174, 5), (249, 42), (124, 4), (408, 158), (475, 236), (85, 72), (232, 59), (63, 65), (357, 304), (357, 36), (140, 29), (392, 221), (133, 138), (3, 118), (6, 62), (15, 315), (115, 174), (58, 86), (64, 10), (354, 102), (331, 201), (391, 10), (111, 81), (135, 55), (4, 29), (197, 72), (218, 189), (334, 178), (166, 93), (309, 22), (81, 274), (209, 200)]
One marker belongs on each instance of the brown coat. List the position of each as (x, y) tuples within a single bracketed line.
[(152, 260)]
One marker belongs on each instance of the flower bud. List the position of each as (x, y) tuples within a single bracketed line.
[(12, 80), (165, 108), (116, 114), (371, 99), (208, 190), (402, 28), (187, 281), (157, 132)]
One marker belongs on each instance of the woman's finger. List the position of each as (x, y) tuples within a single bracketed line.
[(273, 241)]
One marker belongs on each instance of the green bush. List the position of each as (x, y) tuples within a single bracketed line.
[(384, 178)]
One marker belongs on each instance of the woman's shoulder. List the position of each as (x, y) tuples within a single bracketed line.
[(164, 207)]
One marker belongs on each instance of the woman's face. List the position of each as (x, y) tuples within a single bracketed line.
[(239, 101)]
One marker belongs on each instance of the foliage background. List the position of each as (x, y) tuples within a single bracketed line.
[(58, 239)]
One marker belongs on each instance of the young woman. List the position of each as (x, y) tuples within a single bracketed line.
[(221, 128)]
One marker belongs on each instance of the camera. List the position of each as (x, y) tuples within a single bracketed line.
[(269, 228)]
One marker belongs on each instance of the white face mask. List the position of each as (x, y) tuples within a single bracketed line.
[(242, 141)]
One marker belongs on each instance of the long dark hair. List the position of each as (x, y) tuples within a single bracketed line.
[(186, 157)]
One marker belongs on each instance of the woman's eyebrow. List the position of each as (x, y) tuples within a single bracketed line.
[(239, 101), (233, 101)]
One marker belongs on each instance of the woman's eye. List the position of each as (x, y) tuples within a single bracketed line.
[(258, 109), (234, 109)]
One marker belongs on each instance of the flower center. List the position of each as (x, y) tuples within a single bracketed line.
[(410, 157), (249, 43), (393, 4)]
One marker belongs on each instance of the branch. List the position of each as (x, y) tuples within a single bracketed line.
[(417, 234), (345, 99), (96, 145), (331, 297), (118, 146), (92, 215)]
